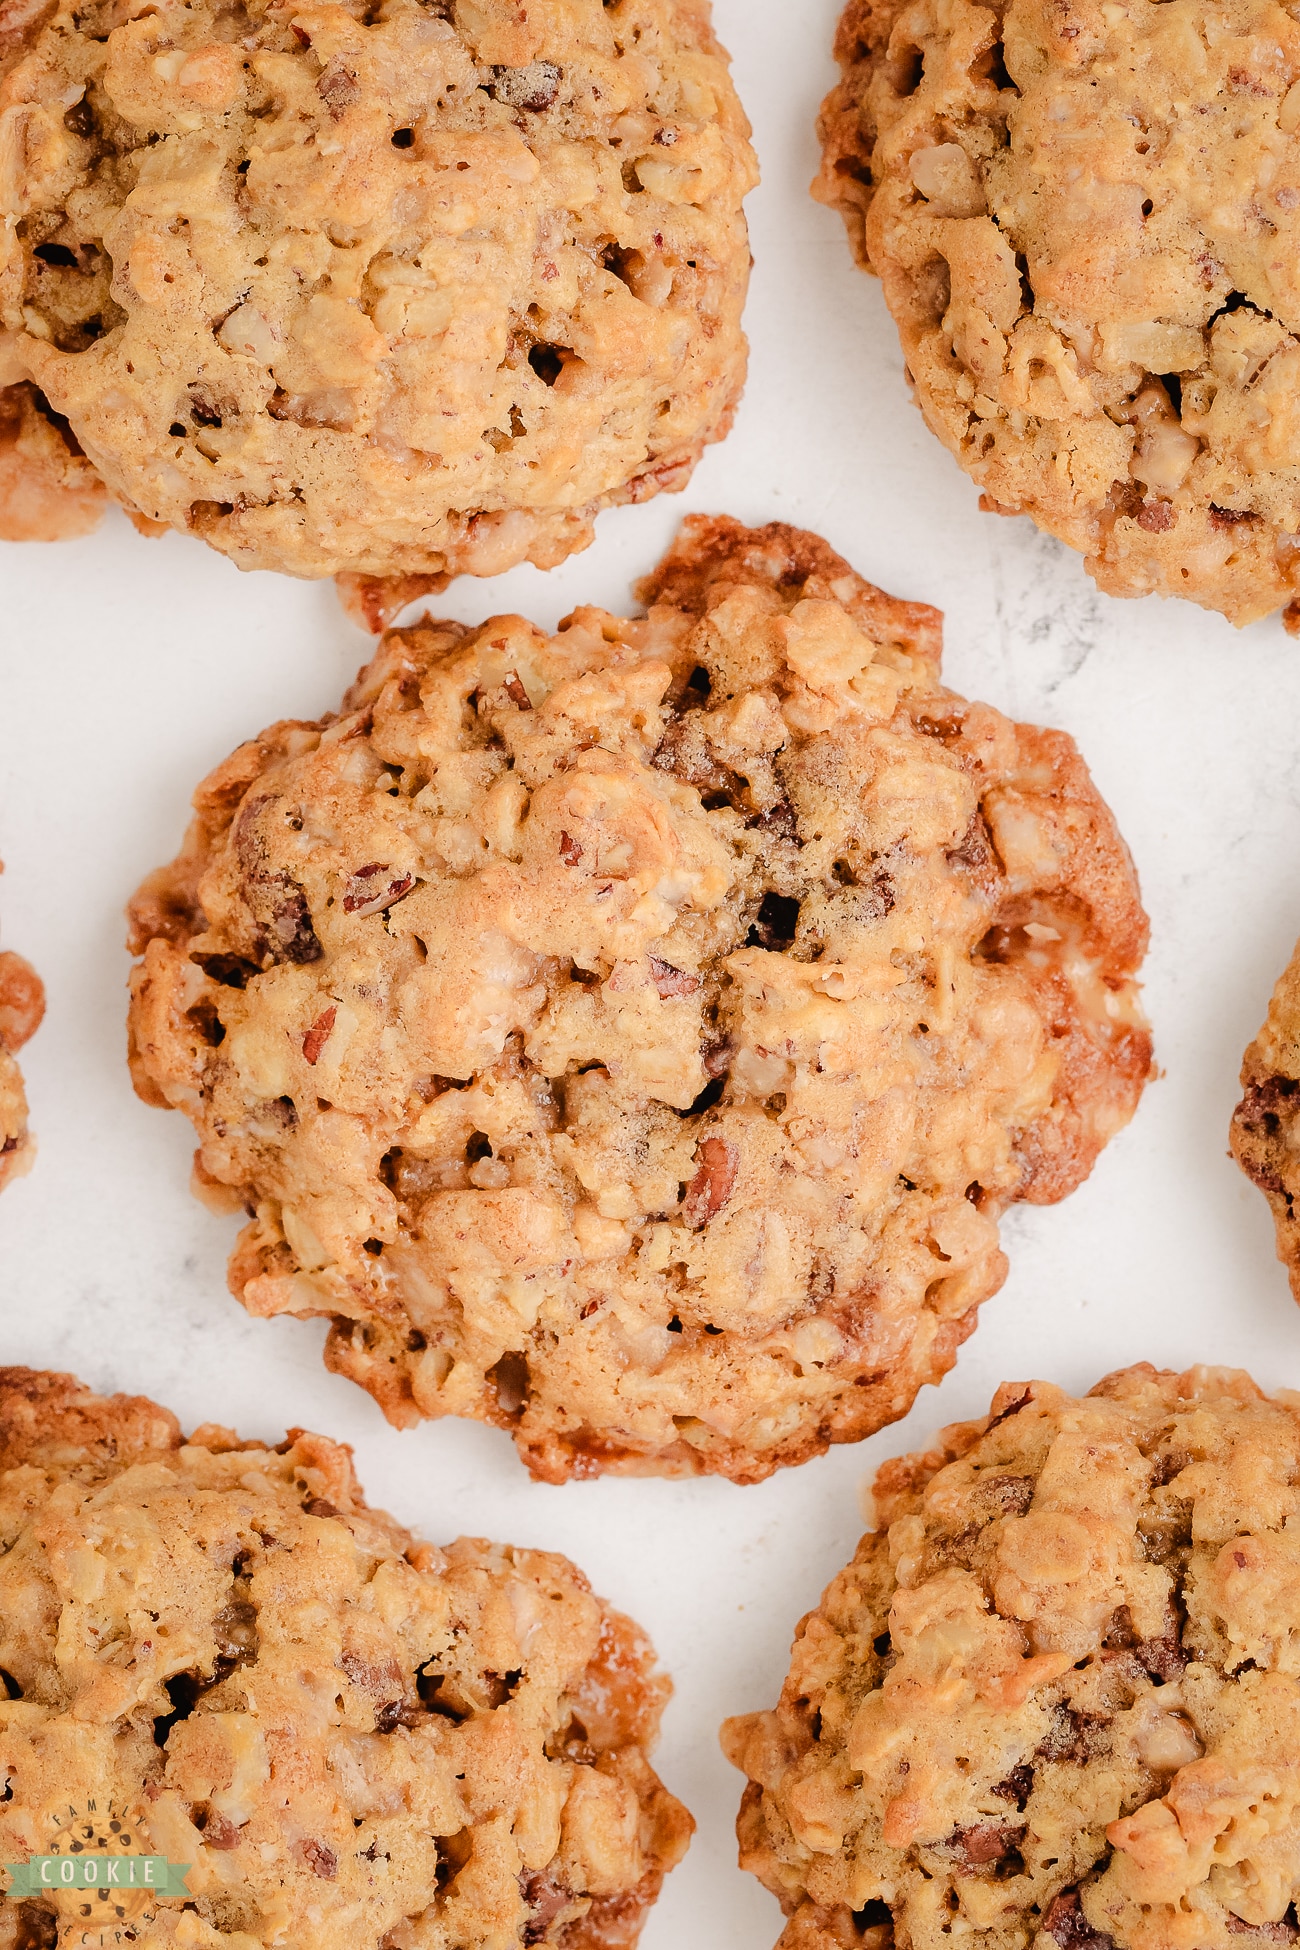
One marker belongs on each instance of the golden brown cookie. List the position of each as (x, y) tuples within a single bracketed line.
[(1265, 1121), (632, 1036), (403, 290), (1086, 219), (22, 1004), (1055, 1698), (356, 1740)]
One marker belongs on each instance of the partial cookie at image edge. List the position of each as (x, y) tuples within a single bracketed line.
[(1266, 1121), (22, 1005), (446, 285), (1043, 1701), (1098, 321), (350, 1739)]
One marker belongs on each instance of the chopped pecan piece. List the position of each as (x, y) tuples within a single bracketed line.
[(315, 1039), (671, 981), (533, 87), (321, 1860), (712, 1184)]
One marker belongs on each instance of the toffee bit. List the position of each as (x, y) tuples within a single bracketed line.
[(1017, 1787), (1067, 1926), (779, 819), (985, 1844)]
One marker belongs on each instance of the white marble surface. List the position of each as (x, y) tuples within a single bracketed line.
[(129, 667)]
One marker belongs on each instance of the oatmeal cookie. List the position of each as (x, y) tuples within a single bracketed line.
[(356, 1740), (22, 1004), (1086, 219), (1266, 1123), (1055, 1698), (401, 289), (632, 1036)]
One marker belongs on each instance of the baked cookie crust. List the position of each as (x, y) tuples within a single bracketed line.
[(359, 1741), (632, 1036), (49, 492), (1265, 1120), (22, 1005), (1086, 220), (1055, 1698), (406, 290)]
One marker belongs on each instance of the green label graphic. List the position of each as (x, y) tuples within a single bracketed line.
[(48, 1873)]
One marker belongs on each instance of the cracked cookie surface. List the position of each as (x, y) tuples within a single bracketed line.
[(412, 289), (1266, 1123), (1086, 219), (22, 1005), (355, 1738), (632, 1036), (1055, 1698)]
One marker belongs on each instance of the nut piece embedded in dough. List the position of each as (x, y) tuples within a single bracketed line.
[(355, 1740), (632, 1036), (1086, 219), (1266, 1123), (398, 291), (1055, 1698), (22, 1004)]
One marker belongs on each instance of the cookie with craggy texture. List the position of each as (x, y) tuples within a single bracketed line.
[(1086, 219), (632, 1036), (22, 1004), (1055, 1698), (409, 290), (356, 1740), (1266, 1121)]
